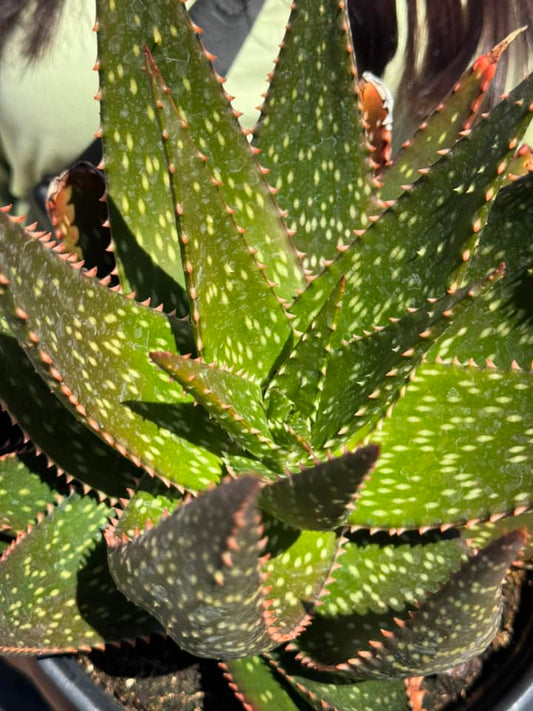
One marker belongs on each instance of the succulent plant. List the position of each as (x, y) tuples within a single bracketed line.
[(291, 427)]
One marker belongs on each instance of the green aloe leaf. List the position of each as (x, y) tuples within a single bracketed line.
[(299, 570), (454, 624), (57, 595), (146, 249), (167, 32), (455, 414), (99, 367), (522, 163), (481, 534), (225, 281), (258, 686), (379, 578), (26, 488), (498, 327), (366, 375), (295, 390), (87, 458), (421, 239), (320, 497), (311, 134), (377, 572), (472, 415), (239, 464), (233, 400), (144, 507), (198, 572), (440, 131), (324, 695)]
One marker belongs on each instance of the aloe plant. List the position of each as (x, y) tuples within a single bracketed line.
[(291, 428)]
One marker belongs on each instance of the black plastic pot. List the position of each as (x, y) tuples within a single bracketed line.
[(520, 697)]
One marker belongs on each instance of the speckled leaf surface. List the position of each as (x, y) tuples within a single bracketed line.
[(521, 164), (375, 584), (499, 325), (419, 241), (26, 487), (454, 467), (239, 464), (143, 228), (377, 572), (198, 572), (56, 591), (86, 457), (481, 534), (440, 131), (311, 133), (299, 570), (324, 695), (226, 283), (51, 308), (320, 497), (380, 578), (150, 502), (235, 402), (258, 687), (366, 374), (167, 32), (453, 625), (294, 392)]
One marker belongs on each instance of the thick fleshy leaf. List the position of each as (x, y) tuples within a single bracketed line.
[(454, 624), (522, 163), (298, 383), (143, 229), (86, 457), (481, 534), (299, 571), (439, 132), (233, 400), (379, 579), (169, 35), (257, 686), (498, 327), (150, 502), (26, 488), (99, 365), (324, 695), (198, 572), (366, 375), (377, 573), (420, 240), (311, 134), (57, 595), (320, 498), (226, 283), (467, 453), (238, 464)]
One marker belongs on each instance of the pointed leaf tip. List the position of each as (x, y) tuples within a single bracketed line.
[(179, 571), (319, 497)]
